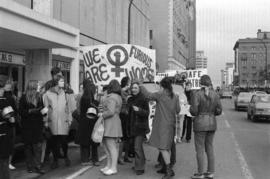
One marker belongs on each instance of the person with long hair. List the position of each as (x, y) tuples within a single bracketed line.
[(163, 132), (86, 124), (30, 107), (113, 130), (205, 106), (60, 107), (138, 117), (125, 141)]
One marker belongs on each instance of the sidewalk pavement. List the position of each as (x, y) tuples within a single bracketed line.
[(227, 162), (60, 173)]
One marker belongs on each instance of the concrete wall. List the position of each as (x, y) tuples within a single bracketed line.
[(105, 20)]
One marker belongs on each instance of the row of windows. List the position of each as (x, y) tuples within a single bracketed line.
[(257, 48), (252, 55)]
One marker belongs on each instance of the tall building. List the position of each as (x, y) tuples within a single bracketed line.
[(201, 60), (41, 34), (223, 78), (173, 27), (251, 57), (227, 75)]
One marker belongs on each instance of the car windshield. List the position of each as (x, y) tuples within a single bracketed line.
[(244, 95), (263, 99)]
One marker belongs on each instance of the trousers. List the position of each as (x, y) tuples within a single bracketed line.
[(33, 155), (204, 144), (139, 153), (4, 170)]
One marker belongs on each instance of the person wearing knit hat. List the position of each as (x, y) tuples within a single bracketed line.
[(205, 106)]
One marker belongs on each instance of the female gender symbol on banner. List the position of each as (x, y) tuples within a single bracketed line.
[(117, 61)]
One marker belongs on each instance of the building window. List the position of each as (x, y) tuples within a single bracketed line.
[(151, 34)]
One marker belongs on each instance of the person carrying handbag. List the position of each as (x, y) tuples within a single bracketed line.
[(205, 106), (87, 119)]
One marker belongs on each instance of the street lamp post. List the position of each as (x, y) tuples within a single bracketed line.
[(129, 10)]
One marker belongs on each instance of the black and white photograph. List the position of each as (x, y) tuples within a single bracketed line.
[(134, 89)]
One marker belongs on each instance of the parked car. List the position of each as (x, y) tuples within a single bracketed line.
[(242, 100), (259, 107), (226, 94)]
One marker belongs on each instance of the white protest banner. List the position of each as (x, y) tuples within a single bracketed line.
[(194, 76), (104, 63)]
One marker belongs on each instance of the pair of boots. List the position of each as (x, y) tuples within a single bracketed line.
[(167, 170)]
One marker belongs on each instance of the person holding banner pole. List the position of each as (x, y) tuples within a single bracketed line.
[(112, 126)]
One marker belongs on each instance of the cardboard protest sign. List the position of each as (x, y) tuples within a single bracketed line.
[(114, 61), (193, 76)]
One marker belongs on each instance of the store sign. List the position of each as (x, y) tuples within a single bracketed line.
[(11, 58), (104, 63), (64, 66)]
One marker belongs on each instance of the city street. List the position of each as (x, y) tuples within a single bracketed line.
[(241, 147)]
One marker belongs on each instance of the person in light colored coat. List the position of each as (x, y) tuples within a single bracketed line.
[(61, 106), (113, 129)]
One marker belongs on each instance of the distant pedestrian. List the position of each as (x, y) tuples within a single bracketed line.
[(187, 125), (113, 130), (163, 131), (205, 106), (124, 145), (7, 124), (30, 107), (138, 112), (59, 119), (86, 124)]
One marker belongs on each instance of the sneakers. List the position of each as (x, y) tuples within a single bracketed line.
[(11, 167), (209, 175)]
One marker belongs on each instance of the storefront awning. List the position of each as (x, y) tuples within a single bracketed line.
[(23, 28)]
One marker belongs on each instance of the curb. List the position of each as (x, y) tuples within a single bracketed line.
[(84, 169)]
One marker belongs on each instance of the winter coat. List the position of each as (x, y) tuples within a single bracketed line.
[(205, 109), (61, 106), (31, 121), (6, 130), (139, 124), (86, 125), (125, 122), (111, 109), (167, 108)]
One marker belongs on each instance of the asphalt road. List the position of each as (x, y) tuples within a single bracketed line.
[(241, 150), (253, 139)]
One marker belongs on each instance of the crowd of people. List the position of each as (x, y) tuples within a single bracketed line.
[(47, 113)]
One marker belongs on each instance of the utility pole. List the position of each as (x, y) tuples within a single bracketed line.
[(129, 11)]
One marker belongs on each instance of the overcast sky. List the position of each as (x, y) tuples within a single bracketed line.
[(220, 23)]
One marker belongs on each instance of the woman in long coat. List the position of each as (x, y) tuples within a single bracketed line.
[(163, 132), (138, 117), (61, 106), (86, 124), (113, 130), (32, 125)]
